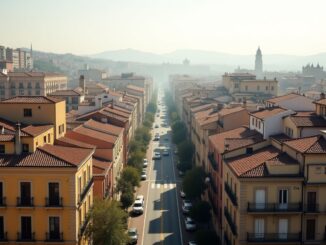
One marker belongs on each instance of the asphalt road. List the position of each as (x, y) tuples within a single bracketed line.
[(162, 221)]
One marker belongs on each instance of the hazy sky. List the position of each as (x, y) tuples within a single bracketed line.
[(232, 26)]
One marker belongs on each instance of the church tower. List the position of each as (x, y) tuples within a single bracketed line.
[(259, 63)]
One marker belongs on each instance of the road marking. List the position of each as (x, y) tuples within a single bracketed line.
[(165, 186), (152, 185), (177, 198), (158, 186), (171, 186)]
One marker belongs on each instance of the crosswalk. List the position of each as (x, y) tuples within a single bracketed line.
[(163, 185)]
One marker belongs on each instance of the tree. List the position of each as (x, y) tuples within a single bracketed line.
[(108, 224), (206, 237), (127, 197), (194, 183), (201, 212), (185, 151), (136, 159), (131, 175), (184, 166), (179, 132)]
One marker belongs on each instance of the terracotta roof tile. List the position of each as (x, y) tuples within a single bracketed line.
[(267, 112), (35, 130), (218, 140), (236, 143), (313, 144), (32, 100), (283, 98), (103, 127), (100, 166), (67, 92), (65, 141), (7, 137), (321, 102), (309, 120), (99, 143), (95, 134), (244, 163), (201, 107), (280, 137), (136, 88)]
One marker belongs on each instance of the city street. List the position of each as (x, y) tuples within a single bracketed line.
[(162, 221)]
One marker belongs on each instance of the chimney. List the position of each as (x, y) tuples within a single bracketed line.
[(82, 83), (18, 144), (99, 102), (322, 96)]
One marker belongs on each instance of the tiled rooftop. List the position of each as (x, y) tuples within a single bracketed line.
[(103, 127), (285, 97), (95, 134), (67, 92), (308, 120), (313, 144), (35, 130), (32, 100), (267, 112)]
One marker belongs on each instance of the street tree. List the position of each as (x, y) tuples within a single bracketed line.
[(131, 175), (201, 212), (206, 237), (185, 151), (127, 196), (194, 183), (108, 224)]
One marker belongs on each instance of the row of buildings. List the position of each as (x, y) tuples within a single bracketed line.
[(54, 164), (266, 163), (16, 59)]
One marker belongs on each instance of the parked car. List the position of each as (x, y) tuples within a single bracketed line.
[(192, 243), (190, 224), (186, 206), (182, 194), (138, 206), (145, 163), (143, 175), (181, 173), (133, 236)]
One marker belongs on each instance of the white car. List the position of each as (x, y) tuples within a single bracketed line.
[(190, 224), (138, 207), (165, 152), (143, 175), (182, 194), (192, 243), (186, 206), (133, 235), (157, 156), (145, 163)]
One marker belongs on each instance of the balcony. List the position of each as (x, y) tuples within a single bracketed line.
[(311, 208), (25, 201), (3, 202), (274, 207), (85, 190), (3, 237), (230, 221), (54, 236), (53, 202), (213, 204), (274, 237), (231, 194), (226, 239), (25, 237), (212, 161), (84, 225)]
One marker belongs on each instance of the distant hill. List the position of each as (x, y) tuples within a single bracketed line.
[(271, 61)]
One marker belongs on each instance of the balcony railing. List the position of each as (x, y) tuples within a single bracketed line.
[(85, 190), (230, 221), (54, 236), (274, 237), (84, 225), (231, 194), (311, 208), (54, 202), (213, 204), (3, 202), (226, 239), (25, 202), (3, 237), (212, 161), (26, 237), (274, 207)]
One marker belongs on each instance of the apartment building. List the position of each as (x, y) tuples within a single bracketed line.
[(30, 84), (22, 60), (292, 101), (245, 85), (46, 193), (72, 97)]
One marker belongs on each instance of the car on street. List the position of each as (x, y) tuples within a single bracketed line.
[(133, 236), (157, 156), (145, 163), (186, 206), (165, 152), (143, 175), (181, 173), (138, 206), (192, 243), (190, 224), (182, 194)]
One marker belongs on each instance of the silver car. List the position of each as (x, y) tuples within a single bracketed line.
[(133, 236)]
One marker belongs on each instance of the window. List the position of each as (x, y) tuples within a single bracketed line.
[(258, 88), (253, 121), (272, 88), (49, 138), (2, 203), (266, 88), (2, 229), (54, 196), (44, 139), (27, 112), (259, 124), (249, 150), (37, 92), (25, 148), (26, 228), (246, 88), (54, 228), (2, 149), (318, 170)]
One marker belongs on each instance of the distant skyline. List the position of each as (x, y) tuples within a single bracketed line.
[(231, 26)]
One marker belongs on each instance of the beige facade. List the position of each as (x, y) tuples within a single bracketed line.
[(30, 84)]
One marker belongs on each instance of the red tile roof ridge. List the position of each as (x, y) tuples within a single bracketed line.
[(103, 127), (35, 130), (32, 100), (65, 141), (284, 97), (310, 144)]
